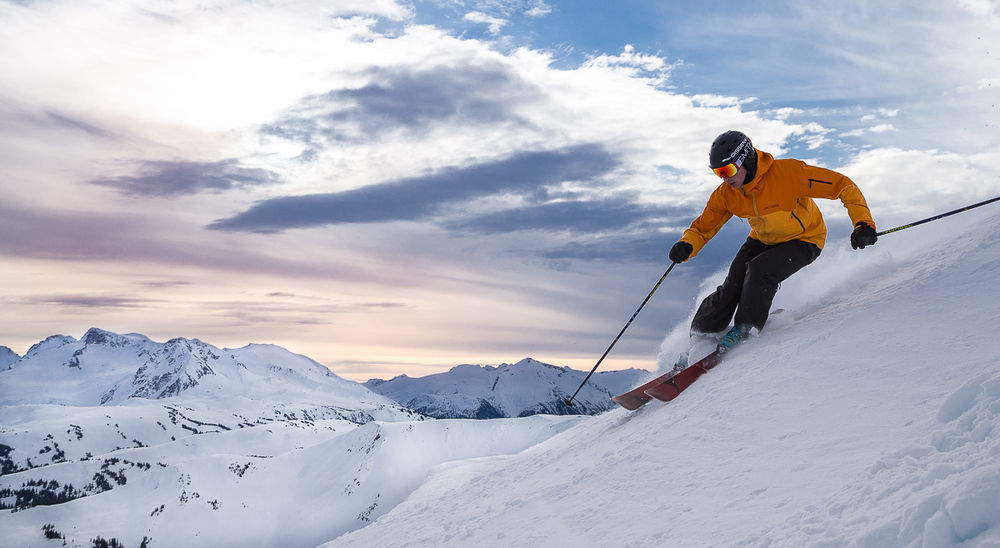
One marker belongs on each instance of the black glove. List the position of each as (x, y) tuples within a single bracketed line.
[(680, 252), (863, 235)]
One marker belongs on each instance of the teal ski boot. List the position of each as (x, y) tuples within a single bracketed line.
[(733, 338)]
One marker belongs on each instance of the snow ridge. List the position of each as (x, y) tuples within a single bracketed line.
[(105, 368)]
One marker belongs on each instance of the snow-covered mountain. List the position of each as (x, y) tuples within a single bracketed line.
[(527, 387), (186, 444), (68, 398), (107, 368)]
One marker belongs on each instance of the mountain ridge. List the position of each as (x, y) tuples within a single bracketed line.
[(520, 389), (112, 368)]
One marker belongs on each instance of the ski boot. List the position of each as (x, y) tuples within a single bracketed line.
[(733, 338)]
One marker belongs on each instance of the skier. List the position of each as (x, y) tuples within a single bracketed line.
[(787, 231)]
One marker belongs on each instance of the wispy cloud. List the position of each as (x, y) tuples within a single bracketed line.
[(597, 216), (494, 23), (175, 178), (415, 99), (419, 197), (81, 301), (76, 125), (138, 245)]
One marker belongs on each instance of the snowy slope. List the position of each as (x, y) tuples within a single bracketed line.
[(870, 418), (289, 484), (525, 388)]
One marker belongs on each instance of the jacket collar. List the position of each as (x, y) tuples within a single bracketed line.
[(764, 162)]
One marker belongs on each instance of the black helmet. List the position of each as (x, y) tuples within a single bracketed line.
[(730, 147)]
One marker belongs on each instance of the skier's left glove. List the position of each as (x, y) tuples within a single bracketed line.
[(863, 235), (681, 251)]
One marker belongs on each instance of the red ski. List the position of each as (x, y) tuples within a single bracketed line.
[(669, 386), (635, 398)]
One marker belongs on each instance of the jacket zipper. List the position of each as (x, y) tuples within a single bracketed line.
[(763, 222)]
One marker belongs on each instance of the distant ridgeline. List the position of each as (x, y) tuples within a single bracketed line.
[(528, 387)]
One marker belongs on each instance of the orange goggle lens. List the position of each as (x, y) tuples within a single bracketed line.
[(727, 170)]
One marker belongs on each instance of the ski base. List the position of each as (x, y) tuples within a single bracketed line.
[(669, 386)]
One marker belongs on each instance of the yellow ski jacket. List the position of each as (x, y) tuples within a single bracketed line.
[(778, 204)]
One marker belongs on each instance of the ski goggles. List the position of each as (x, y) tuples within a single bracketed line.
[(738, 156), (727, 170)]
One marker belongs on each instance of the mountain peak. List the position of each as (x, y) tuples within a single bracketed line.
[(7, 358), (96, 336), (53, 341)]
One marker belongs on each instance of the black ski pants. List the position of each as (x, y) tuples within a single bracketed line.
[(750, 286)]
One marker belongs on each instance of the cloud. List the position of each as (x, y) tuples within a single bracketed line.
[(165, 284), (493, 23), (931, 180), (651, 246), (539, 9), (383, 8), (138, 244), (18, 117), (80, 301), (505, 8), (175, 178), (287, 311), (66, 122), (880, 128), (419, 197), (574, 216), (634, 64), (647, 245), (402, 97)]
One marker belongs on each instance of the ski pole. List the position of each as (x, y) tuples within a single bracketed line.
[(936, 217), (569, 401)]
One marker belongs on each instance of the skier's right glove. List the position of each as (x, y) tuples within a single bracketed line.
[(863, 235), (681, 251)]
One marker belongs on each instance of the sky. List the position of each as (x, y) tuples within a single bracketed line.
[(396, 187)]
